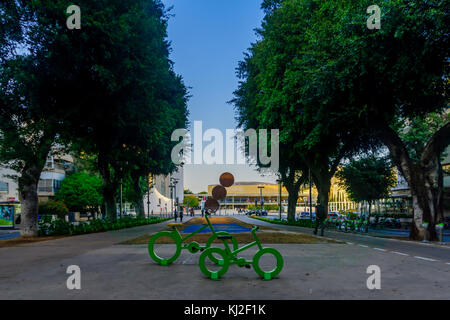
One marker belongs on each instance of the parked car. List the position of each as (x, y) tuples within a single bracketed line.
[(262, 212), (306, 215), (334, 215)]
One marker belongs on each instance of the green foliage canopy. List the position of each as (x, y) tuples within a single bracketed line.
[(81, 192), (191, 201), (53, 207), (367, 179)]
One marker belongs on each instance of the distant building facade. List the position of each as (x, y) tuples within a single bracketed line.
[(54, 172)]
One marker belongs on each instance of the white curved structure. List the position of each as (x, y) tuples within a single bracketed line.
[(159, 204)]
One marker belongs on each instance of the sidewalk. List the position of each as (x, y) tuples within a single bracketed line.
[(22, 258)]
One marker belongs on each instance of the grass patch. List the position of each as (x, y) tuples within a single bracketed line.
[(305, 223), (243, 238), (268, 235), (218, 220)]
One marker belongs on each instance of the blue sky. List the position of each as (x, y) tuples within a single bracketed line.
[(208, 40)]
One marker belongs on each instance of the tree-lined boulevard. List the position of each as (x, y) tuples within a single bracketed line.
[(355, 105), (110, 270)]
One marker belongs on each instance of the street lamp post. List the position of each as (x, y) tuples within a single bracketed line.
[(279, 198), (173, 185), (310, 195), (261, 197), (121, 199), (148, 195)]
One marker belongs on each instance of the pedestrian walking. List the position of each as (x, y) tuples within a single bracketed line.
[(320, 219)]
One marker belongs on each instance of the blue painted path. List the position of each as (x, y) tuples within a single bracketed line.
[(11, 235), (230, 228)]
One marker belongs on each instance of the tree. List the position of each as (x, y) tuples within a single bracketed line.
[(191, 201), (367, 179), (108, 89), (34, 96), (319, 61), (132, 99), (81, 192), (279, 90), (398, 72), (187, 191)]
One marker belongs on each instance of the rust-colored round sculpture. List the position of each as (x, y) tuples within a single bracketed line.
[(226, 179), (211, 204), (219, 192)]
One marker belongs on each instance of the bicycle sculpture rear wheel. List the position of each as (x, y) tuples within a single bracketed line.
[(268, 275), (151, 247)]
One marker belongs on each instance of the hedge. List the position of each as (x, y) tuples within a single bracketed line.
[(62, 227)]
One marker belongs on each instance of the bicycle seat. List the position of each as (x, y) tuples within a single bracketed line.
[(172, 224), (227, 237)]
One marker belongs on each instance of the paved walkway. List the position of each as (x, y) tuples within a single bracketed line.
[(112, 271), (440, 253), (24, 257)]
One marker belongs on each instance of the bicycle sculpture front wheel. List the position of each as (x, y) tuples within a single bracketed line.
[(268, 274), (214, 237), (164, 261), (210, 269)]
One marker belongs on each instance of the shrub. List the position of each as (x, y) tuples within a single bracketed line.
[(306, 223), (61, 227), (53, 207), (268, 207)]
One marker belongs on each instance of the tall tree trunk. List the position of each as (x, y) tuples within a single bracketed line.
[(292, 203), (424, 179), (138, 199), (28, 183), (292, 183), (138, 196), (109, 187), (426, 193), (109, 195), (323, 188)]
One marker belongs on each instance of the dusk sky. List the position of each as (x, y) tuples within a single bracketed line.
[(208, 39)]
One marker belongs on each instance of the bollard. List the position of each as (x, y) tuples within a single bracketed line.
[(425, 225), (440, 227)]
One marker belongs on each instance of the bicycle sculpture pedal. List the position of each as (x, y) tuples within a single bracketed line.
[(219, 193)]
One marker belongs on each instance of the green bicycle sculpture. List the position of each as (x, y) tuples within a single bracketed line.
[(230, 257), (192, 247)]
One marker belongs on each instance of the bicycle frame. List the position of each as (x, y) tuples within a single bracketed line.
[(196, 231), (232, 254), (230, 257), (192, 247)]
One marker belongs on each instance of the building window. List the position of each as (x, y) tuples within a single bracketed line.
[(56, 185), (45, 185), (4, 186)]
